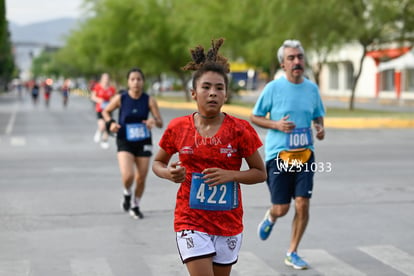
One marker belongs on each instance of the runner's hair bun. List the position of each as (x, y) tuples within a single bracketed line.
[(200, 59)]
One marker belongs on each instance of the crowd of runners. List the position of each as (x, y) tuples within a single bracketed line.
[(211, 146)]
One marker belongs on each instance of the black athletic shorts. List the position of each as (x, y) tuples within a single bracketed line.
[(139, 149)]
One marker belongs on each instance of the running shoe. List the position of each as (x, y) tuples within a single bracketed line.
[(295, 261), (105, 145), (126, 203), (97, 137), (136, 213), (265, 227)]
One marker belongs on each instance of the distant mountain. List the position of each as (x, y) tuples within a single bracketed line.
[(50, 32)]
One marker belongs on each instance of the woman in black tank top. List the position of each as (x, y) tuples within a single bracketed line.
[(134, 140)]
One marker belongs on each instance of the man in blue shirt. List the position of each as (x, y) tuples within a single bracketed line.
[(287, 107)]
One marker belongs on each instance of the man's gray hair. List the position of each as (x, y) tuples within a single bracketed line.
[(289, 44)]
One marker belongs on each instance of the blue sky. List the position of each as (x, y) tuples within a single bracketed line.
[(31, 11)]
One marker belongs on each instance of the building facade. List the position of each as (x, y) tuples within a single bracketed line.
[(386, 73)]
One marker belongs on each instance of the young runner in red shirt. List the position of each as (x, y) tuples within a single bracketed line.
[(211, 146)]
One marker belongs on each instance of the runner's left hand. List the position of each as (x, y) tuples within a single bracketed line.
[(320, 131), (216, 176)]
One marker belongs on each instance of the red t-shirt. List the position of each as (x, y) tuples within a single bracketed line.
[(235, 140), (104, 93)]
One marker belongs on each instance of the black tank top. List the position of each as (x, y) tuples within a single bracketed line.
[(132, 111)]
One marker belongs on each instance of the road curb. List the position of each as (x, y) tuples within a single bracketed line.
[(330, 122)]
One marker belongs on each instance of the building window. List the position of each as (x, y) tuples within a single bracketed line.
[(333, 76), (349, 75), (409, 81), (387, 80)]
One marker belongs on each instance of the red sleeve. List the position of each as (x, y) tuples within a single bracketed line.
[(248, 138), (167, 141), (96, 87), (113, 90)]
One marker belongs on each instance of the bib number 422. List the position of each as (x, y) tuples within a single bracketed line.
[(219, 197)]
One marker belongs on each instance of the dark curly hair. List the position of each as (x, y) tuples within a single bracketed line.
[(210, 62), (136, 70)]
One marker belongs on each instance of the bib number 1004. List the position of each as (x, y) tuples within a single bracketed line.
[(219, 197), (299, 138)]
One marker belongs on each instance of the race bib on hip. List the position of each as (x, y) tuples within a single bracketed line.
[(137, 132), (299, 138), (221, 197)]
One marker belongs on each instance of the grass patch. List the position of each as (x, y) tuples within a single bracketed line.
[(367, 113)]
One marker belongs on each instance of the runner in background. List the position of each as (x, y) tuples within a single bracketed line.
[(47, 90), (288, 107), (101, 94), (35, 90), (133, 139), (65, 92)]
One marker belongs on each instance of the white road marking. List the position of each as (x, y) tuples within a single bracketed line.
[(169, 264), (250, 264), (15, 268), (391, 256), (327, 264), (90, 267), (18, 141), (12, 119)]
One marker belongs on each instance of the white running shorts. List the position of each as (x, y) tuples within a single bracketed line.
[(195, 245)]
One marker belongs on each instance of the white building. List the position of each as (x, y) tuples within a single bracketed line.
[(386, 73)]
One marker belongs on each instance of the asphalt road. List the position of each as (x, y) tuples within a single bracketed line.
[(60, 195)]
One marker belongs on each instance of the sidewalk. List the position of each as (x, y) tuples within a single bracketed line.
[(356, 123), (393, 105)]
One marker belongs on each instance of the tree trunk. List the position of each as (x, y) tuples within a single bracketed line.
[(356, 77), (317, 73), (184, 80)]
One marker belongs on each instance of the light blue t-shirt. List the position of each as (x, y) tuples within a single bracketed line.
[(301, 102)]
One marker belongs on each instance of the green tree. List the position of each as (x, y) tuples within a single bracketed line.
[(241, 23), (254, 29), (44, 64), (324, 26), (371, 24), (123, 34), (157, 34), (7, 66)]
